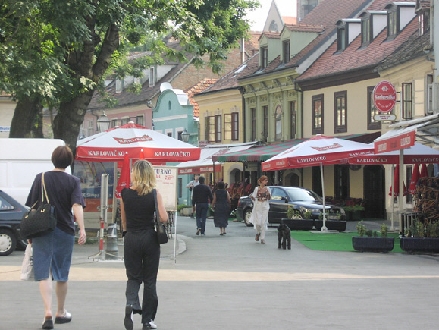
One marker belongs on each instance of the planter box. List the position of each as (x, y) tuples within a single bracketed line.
[(373, 244), (298, 224), (354, 215), (419, 244), (338, 225), (186, 211)]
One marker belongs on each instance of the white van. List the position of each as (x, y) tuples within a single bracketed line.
[(21, 160)]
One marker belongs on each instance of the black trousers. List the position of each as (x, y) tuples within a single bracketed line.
[(141, 258)]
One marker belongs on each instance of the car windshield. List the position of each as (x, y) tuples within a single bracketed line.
[(300, 194)]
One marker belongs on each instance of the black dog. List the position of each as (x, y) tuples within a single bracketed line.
[(283, 237)]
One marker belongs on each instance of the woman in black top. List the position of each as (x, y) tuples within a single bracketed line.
[(141, 248), (221, 204)]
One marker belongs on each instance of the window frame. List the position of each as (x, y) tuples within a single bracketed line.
[(218, 128), (253, 119), (293, 119), (235, 126), (265, 123), (286, 51), (264, 56), (366, 30), (342, 127), (372, 124), (407, 100), (341, 38), (318, 129), (278, 114), (392, 22)]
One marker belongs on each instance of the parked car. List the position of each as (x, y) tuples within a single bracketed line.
[(304, 201), (11, 213)]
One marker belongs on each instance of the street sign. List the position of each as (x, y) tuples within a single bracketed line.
[(384, 117), (384, 96)]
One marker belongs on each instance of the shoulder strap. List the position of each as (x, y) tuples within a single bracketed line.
[(43, 190), (154, 192)]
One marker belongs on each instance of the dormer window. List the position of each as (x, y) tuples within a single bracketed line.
[(286, 51), (399, 14), (264, 57), (151, 77), (424, 22), (341, 38), (392, 23), (366, 31)]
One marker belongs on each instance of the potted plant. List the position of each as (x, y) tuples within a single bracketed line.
[(296, 220), (354, 212), (372, 241), (421, 237), (184, 210)]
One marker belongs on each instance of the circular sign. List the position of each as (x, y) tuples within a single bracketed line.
[(384, 96)]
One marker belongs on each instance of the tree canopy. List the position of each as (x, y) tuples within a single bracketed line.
[(57, 53)]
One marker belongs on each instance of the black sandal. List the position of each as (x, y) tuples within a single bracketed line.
[(48, 323)]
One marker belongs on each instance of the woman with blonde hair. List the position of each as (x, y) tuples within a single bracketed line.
[(141, 248), (260, 196)]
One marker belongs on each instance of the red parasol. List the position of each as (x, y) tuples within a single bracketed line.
[(124, 179), (414, 180), (396, 183), (113, 144), (424, 171)]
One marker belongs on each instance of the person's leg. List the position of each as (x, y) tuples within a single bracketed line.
[(151, 260), (198, 217), (258, 232), (61, 293), (46, 295), (204, 209), (133, 265)]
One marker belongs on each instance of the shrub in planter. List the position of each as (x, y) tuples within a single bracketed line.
[(372, 241), (421, 237)]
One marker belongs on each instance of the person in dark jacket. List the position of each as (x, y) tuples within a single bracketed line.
[(202, 196)]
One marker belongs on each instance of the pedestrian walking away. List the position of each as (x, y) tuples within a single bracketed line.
[(141, 247), (191, 186), (52, 252), (221, 206), (202, 196), (259, 217)]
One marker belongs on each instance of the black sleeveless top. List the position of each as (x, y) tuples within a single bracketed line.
[(139, 210)]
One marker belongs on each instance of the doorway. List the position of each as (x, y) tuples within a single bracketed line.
[(374, 199)]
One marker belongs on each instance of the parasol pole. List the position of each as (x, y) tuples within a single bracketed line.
[(392, 199), (175, 236), (401, 188), (323, 196)]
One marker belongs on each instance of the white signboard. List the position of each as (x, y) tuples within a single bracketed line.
[(385, 117), (166, 178)]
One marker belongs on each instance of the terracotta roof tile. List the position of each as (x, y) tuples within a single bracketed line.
[(198, 88), (230, 80), (289, 20), (305, 28), (354, 57)]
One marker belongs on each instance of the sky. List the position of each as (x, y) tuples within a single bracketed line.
[(287, 7)]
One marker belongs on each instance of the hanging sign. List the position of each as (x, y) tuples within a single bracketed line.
[(384, 96)]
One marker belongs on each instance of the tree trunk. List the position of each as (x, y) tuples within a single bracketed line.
[(27, 120), (70, 116)]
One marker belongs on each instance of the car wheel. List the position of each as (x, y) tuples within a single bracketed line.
[(247, 215), (8, 242)]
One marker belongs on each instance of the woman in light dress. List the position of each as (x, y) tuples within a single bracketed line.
[(259, 218)]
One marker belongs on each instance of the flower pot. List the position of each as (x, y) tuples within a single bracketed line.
[(186, 211), (354, 215), (419, 244), (298, 224), (338, 225), (373, 244)]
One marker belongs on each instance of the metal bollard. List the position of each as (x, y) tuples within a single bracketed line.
[(112, 250)]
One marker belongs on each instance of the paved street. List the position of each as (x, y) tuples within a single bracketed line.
[(233, 282)]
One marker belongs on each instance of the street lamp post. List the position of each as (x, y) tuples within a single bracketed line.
[(103, 123), (185, 136)]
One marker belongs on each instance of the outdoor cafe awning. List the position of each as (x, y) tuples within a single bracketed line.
[(206, 162), (263, 152)]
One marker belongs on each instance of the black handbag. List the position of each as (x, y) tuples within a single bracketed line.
[(160, 228), (39, 221)]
